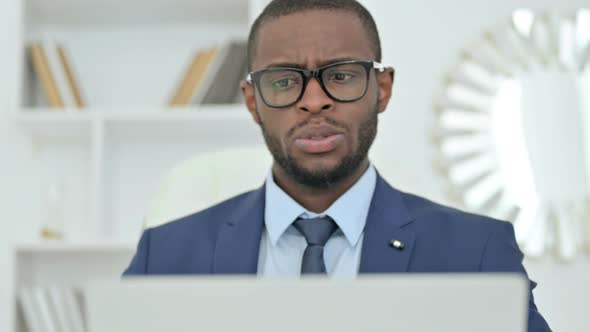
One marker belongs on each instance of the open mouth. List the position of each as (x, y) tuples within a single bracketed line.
[(320, 139)]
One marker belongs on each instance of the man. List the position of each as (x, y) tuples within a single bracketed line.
[(316, 88)]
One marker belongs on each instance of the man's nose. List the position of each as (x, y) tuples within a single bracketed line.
[(314, 99)]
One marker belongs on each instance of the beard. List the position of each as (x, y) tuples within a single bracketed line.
[(325, 177)]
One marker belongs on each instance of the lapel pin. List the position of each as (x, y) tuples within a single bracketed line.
[(397, 244)]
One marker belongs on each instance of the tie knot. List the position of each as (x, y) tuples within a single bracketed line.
[(316, 231)]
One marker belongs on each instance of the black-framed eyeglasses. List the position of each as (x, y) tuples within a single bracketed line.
[(345, 81)]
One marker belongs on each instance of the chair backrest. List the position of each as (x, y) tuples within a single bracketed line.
[(206, 179)]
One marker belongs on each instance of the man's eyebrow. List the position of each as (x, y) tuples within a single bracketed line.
[(284, 65), (300, 66), (335, 60)]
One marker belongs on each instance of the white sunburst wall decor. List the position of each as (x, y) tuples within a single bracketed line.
[(513, 129)]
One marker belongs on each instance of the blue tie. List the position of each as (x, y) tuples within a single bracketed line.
[(316, 231)]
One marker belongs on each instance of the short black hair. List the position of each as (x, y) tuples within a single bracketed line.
[(280, 8)]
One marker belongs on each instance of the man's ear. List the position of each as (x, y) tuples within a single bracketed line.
[(385, 85), (250, 97)]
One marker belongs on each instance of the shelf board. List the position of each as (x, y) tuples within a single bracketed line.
[(130, 113), (65, 247), (228, 122), (108, 12), (235, 112), (46, 123)]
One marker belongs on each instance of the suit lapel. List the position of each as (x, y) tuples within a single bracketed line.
[(386, 220), (238, 241)]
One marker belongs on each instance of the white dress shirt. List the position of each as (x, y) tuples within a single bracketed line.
[(282, 246)]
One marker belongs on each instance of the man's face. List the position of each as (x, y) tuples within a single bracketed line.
[(317, 141)]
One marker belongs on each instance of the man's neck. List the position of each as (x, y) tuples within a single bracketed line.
[(314, 199)]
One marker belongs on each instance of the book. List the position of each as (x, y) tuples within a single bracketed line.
[(29, 310), (46, 316), (70, 77), (56, 298), (55, 66), (193, 77), (45, 75), (226, 80), (73, 308), (214, 66), (52, 66), (182, 91)]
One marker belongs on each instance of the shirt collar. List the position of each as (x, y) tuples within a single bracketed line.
[(349, 211)]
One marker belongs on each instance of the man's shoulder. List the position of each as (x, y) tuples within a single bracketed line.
[(209, 219), (435, 216), (449, 239), (187, 245)]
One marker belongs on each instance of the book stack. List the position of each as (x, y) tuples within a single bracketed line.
[(51, 309), (52, 67), (213, 76)]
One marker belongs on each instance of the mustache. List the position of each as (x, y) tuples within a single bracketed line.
[(305, 123)]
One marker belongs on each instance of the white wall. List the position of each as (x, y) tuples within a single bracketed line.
[(422, 39)]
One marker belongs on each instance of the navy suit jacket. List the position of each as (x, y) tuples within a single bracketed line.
[(225, 239)]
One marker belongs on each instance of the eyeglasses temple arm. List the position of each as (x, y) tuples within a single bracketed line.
[(379, 66)]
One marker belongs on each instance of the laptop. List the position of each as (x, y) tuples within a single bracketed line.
[(402, 302)]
